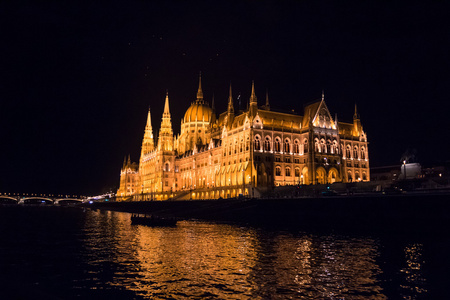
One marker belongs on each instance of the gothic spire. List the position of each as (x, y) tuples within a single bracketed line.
[(230, 102), (147, 142), (166, 106), (165, 137), (253, 98), (323, 95), (356, 116), (267, 100), (357, 128), (200, 92), (253, 103), (149, 119)]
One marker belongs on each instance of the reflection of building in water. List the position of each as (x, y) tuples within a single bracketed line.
[(245, 152), (194, 262), (319, 268), (201, 260), (414, 284)]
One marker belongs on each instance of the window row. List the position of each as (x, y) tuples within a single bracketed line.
[(278, 146), (236, 147), (287, 171), (356, 153), (322, 146)]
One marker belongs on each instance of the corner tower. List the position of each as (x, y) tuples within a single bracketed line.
[(253, 101), (148, 142), (165, 138)]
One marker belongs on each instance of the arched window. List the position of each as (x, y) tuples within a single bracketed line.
[(364, 176), (267, 144), (305, 146), (247, 144), (241, 146), (277, 145), (316, 145), (297, 172), (363, 153), (355, 152), (296, 147), (349, 176), (329, 146), (322, 147), (287, 147), (235, 146), (347, 152), (278, 171), (288, 171), (257, 143), (166, 167), (334, 148)]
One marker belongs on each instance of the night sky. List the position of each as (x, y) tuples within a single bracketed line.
[(77, 78)]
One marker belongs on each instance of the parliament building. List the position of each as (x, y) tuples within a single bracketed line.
[(248, 152)]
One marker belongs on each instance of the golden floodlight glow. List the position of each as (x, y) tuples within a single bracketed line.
[(206, 158)]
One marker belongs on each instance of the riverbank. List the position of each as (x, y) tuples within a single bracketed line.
[(404, 212)]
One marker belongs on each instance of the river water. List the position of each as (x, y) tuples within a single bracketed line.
[(71, 253)]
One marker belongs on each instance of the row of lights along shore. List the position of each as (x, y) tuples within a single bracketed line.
[(37, 195)]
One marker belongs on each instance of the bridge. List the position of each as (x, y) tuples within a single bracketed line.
[(38, 200)]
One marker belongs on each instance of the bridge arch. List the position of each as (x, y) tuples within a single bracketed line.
[(8, 200), (67, 201), (36, 200)]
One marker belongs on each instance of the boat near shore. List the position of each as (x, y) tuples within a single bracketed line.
[(152, 220)]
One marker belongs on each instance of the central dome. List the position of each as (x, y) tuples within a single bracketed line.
[(198, 111)]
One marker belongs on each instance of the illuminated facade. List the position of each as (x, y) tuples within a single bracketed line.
[(129, 178), (247, 153)]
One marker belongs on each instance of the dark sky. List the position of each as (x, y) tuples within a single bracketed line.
[(77, 78)]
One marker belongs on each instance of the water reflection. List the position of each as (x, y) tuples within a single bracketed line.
[(99, 254), (317, 268), (414, 282), (194, 260), (198, 259)]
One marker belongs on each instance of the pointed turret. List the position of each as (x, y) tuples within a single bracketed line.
[(166, 112), (357, 128), (230, 109), (199, 91), (355, 115), (253, 98), (165, 138), (253, 101), (148, 142), (267, 106), (129, 160), (323, 95)]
